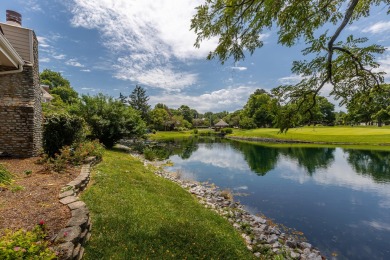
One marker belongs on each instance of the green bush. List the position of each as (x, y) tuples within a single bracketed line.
[(25, 245), (226, 131), (5, 175), (195, 131), (149, 154), (73, 155), (60, 130), (110, 120)]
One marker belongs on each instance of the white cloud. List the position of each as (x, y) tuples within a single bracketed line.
[(239, 68), (32, 5), (379, 27), (43, 42), (74, 63), (59, 56), (146, 37), (44, 60), (290, 80), (229, 99), (86, 70), (384, 62)]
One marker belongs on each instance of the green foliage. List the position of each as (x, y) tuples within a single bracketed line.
[(60, 130), (347, 64), (110, 120), (160, 119), (25, 245), (139, 101), (227, 131), (67, 94), (149, 154), (53, 79), (195, 131), (247, 123), (259, 108), (75, 155), (5, 175)]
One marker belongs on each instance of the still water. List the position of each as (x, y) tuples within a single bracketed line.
[(339, 198)]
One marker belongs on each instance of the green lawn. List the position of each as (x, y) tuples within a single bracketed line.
[(137, 215), (343, 135)]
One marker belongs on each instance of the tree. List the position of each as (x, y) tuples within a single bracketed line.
[(187, 113), (159, 118), (139, 101), (123, 98), (110, 120), (346, 64), (53, 79), (258, 108), (67, 94)]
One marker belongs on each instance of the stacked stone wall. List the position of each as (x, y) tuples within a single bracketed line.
[(20, 111)]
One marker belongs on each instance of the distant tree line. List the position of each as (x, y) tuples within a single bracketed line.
[(111, 119)]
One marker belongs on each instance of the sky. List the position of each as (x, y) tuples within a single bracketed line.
[(110, 46)]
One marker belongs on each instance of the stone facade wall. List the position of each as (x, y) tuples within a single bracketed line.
[(20, 110)]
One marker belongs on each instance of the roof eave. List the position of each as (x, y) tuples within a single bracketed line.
[(10, 53)]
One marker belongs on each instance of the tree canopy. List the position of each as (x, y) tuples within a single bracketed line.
[(53, 79), (347, 64)]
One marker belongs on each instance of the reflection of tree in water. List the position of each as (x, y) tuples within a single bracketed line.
[(259, 158), (311, 159), (373, 163), (262, 159)]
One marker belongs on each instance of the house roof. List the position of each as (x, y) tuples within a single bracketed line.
[(9, 58), (221, 123), (46, 95)]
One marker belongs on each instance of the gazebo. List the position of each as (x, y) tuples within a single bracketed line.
[(221, 124)]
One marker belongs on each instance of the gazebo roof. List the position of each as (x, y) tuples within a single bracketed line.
[(221, 123)]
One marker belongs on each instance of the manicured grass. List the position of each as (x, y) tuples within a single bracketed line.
[(345, 135), (137, 215), (166, 135), (161, 135)]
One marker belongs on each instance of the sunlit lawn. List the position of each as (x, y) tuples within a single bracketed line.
[(355, 135), (137, 215)]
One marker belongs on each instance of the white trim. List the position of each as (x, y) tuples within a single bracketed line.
[(7, 49)]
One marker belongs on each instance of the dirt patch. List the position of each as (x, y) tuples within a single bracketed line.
[(33, 197)]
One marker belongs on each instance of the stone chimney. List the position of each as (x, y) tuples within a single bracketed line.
[(14, 18)]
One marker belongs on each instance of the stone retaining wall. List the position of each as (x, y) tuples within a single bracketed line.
[(72, 239)]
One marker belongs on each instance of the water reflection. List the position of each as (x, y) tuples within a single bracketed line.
[(340, 198), (375, 164)]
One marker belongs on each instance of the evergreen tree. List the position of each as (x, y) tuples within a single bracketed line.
[(139, 101)]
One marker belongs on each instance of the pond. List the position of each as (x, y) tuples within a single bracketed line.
[(339, 198)]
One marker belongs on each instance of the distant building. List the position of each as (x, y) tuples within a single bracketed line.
[(46, 97), (221, 124), (20, 92)]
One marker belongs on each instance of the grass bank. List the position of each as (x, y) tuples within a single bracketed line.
[(330, 135), (137, 215)]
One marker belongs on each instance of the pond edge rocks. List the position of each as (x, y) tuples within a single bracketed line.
[(260, 234), (70, 241)]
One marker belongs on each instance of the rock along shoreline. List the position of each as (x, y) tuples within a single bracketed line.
[(260, 235)]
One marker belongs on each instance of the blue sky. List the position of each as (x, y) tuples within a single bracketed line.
[(109, 46)]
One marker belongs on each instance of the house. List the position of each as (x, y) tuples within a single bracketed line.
[(46, 97), (20, 92)]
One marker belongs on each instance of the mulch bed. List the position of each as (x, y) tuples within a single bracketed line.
[(33, 198)]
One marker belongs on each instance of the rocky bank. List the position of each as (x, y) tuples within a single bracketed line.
[(261, 235)]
